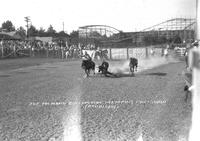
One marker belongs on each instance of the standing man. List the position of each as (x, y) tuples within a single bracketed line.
[(152, 51), (67, 54), (166, 51), (186, 54)]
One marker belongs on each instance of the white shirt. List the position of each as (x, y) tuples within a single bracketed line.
[(165, 51)]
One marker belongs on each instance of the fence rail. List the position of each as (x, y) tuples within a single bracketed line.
[(11, 52), (112, 53), (140, 52)]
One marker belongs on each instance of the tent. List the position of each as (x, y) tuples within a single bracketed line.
[(10, 36), (42, 39)]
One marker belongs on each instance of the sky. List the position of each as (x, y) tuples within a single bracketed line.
[(125, 15)]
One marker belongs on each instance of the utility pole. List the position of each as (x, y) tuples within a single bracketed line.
[(63, 27), (27, 20)]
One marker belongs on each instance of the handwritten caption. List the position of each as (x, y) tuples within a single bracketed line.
[(97, 104)]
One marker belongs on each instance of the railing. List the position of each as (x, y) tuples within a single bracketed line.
[(112, 53), (14, 52), (137, 52)]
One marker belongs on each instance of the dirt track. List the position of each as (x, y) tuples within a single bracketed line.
[(152, 103)]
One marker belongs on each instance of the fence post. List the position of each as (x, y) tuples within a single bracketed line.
[(14, 50), (47, 51), (110, 54), (30, 50), (146, 49), (127, 53), (62, 51), (33, 51), (162, 52), (2, 51)]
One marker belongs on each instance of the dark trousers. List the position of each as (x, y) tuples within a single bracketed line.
[(186, 61)]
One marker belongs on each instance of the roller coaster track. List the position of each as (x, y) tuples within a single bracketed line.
[(108, 30), (173, 24), (120, 36), (102, 27)]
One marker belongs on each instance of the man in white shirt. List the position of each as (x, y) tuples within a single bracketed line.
[(86, 56)]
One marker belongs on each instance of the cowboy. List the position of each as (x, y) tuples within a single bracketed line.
[(86, 56)]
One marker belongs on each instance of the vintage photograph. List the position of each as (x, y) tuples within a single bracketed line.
[(100, 70)]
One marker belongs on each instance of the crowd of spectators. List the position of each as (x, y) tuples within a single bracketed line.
[(75, 51), (89, 47), (69, 51)]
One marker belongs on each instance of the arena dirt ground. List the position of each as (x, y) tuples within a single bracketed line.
[(7, 64), (53, 101)]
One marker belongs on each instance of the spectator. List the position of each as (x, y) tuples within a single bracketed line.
[(67, 54), (152, 51)]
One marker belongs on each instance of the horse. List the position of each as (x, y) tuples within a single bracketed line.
[(88, 65), (133, 64)]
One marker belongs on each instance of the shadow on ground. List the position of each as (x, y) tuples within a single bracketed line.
[(115, 75), (157, 73)]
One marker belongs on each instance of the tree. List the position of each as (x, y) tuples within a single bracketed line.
[(153, 39), (177, 39), (42, 32), (96, 34), (21, 31), (32, 31), (150, 39), (62, 38), (162, 40), (74, 37), (62, 34), (51, 31), (8, 26)]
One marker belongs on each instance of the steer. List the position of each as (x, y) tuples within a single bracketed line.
[(133, 64), (103, 68)]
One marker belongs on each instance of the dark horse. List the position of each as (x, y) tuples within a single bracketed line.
[(133, 64), (88, 65)]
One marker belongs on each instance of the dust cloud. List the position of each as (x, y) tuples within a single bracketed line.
[(122, 67)]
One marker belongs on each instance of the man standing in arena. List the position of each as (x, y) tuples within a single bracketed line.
[(187, 51)]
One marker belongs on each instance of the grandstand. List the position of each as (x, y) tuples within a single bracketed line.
[(176, 31)]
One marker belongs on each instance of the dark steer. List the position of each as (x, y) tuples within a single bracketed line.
[(133, 64), (104, 69), (88, 65)]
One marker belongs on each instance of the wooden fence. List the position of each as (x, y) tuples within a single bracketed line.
[(113, 53)]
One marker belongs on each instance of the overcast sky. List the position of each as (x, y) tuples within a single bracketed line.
[(125, 15)]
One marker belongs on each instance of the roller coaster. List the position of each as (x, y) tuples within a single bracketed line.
[(174, 24), (104, 35), (103, 30)]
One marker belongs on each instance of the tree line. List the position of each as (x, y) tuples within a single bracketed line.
[(8, 26), (148, 39), (154, 39)]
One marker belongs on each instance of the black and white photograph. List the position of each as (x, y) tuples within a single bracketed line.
[(100, 70)]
